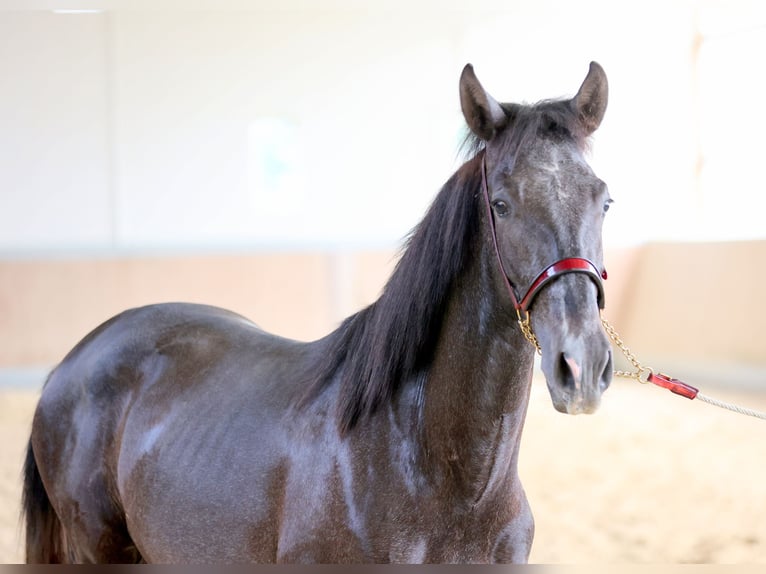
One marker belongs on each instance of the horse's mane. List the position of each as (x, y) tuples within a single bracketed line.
[(393, 339)]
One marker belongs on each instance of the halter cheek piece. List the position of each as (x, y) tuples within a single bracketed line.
[(560, 267)]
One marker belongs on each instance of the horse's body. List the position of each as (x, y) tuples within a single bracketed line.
[(183, 433)]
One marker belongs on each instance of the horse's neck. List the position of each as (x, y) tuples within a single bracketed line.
[(477, 390)]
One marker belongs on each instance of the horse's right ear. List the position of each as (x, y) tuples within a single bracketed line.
[(484, 115)]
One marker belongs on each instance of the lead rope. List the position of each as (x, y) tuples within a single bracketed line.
[(731, 407), (644, 374)]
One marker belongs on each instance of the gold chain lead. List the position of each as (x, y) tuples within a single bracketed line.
[(526, 329), (640, 369)]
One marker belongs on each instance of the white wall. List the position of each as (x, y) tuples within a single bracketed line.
[(141, 127), (732, 88), (54, 152), (365, 113)]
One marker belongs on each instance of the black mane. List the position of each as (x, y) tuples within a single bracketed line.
[(393, 339)]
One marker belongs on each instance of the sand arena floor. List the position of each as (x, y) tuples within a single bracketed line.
[(650, 478)]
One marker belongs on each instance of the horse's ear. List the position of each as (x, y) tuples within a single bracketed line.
[(590, 101), (484, 115)]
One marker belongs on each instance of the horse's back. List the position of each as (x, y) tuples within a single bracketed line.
[(175, 347), (140, 346), (179, 379)]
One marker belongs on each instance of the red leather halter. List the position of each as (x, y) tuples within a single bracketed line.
[(561, 267)]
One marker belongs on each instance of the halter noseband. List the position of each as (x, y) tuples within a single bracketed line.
[(560, 267)]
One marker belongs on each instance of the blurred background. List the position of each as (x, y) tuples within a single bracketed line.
[(270, 156)]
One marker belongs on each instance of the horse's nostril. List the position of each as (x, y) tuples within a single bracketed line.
[(606, 375), (569, 372)]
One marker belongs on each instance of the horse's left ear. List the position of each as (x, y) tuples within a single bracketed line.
[(590, 101), (484, 115)]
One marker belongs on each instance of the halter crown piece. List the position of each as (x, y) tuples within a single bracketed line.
[(554, 270)]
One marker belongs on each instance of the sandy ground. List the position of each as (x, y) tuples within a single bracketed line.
[(650, 478)]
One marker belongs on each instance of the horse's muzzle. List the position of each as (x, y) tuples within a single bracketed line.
[(578, 374)]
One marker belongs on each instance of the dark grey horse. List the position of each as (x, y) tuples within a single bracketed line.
[(184, 433)]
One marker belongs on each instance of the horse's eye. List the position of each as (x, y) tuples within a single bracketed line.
[(500, 207), (607, 203)]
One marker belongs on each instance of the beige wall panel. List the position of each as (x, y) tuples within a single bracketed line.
[(699, 302), (673, 303), (47, 306)]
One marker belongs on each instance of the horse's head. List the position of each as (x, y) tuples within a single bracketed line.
[(547, 205)]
